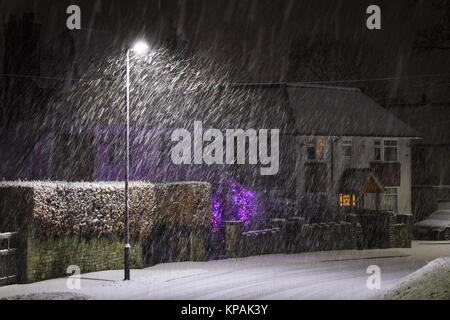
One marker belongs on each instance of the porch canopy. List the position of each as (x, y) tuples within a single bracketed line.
[(360, 181)]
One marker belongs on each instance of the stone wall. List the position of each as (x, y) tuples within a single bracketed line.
[(48, 258), (62, 224)]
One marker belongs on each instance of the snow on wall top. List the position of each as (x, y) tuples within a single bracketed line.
[(97, 208)]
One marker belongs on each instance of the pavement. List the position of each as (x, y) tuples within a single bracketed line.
[(313, 275)]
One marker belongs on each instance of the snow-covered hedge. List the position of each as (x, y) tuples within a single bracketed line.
[(97, 209)]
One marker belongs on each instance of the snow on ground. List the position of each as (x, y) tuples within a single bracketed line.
[(431, 282), (312, 275), (49, 296)]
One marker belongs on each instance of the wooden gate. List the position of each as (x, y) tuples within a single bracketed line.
[(8, 265)]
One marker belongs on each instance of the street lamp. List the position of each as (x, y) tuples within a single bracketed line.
[(139, 47)]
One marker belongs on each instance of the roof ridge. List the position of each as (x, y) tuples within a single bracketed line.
[(295, 84), (321, 86)]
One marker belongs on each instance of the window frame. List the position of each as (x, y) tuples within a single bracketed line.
[(313, 143), (322, 146), (347, 143), (352, 200), (396, 195), (390, 146), (381, 146)]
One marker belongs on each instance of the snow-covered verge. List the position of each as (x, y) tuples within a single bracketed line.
[(432, 282), (49, 296)]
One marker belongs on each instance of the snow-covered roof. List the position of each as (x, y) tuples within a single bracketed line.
[(337, 111), (327, 110)]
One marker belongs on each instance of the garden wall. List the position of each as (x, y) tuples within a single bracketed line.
[(292, 235), (62, 224), (49, 257)]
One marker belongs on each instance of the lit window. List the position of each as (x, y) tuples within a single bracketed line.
[(344, 200), (320, 149), (391, 199), (377, 150), (390, 150), (347, 200), (347, 148)]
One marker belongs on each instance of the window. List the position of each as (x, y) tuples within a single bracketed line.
[(315, 149), (390, 150), (320, 149), (311, 150), (347, 200), (344, 200), (390, 199), (385, 150), (347, 148), (377, 150)]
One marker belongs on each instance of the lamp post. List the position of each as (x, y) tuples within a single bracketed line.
[(139, 48)]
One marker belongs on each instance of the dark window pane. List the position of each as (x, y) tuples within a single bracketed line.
[(390, 154), (311, 153), (377, 155)]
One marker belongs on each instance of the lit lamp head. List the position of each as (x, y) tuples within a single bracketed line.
[(140, 47)]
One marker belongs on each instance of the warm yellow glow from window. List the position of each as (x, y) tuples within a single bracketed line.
[(344, 200), (347, 200), (320, 148)]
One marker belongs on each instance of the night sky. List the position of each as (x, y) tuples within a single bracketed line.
[(260, 36)]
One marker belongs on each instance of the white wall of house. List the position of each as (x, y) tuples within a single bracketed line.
[(362, 154)]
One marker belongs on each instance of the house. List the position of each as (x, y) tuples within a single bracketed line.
[(430, 155), (351, 153)]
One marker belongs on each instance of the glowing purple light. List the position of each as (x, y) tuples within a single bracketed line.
[(217, 215), (243, 206), (244, 203)]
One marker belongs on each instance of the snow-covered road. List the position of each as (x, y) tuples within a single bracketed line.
[(316, 275)]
